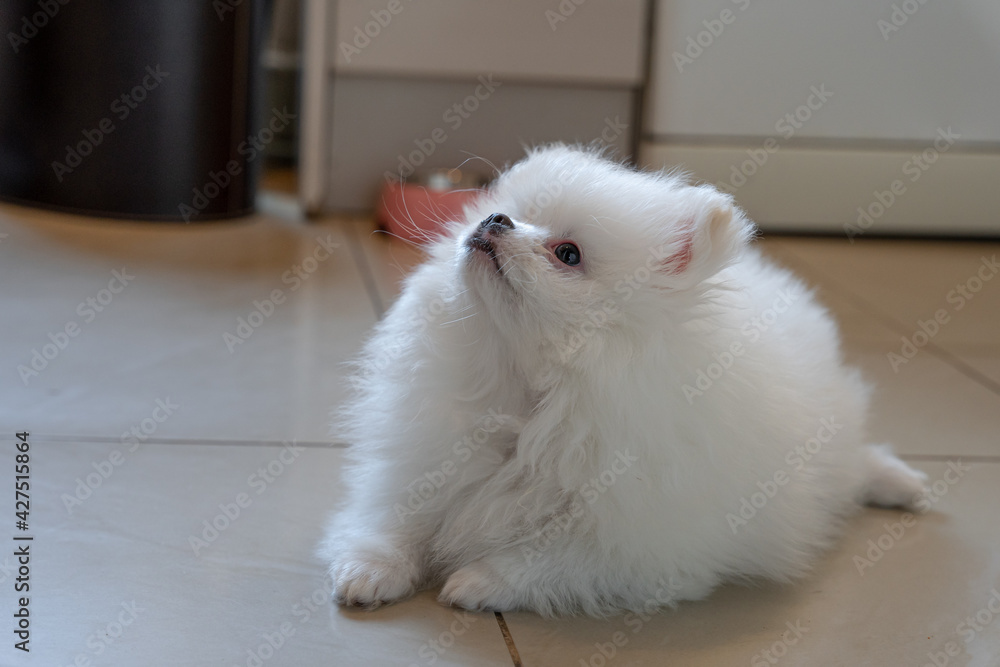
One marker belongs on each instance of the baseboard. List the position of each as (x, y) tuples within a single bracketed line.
[(948, 191)]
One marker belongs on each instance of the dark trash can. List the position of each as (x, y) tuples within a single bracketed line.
[(132, 108)]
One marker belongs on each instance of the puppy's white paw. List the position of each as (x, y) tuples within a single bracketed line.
[(890, 482), (478, 588), (369, 580)]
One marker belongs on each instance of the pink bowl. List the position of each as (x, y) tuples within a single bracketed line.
[(420, 212)]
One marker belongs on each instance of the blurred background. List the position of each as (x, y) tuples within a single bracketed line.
[(806, 111), (877, 118)]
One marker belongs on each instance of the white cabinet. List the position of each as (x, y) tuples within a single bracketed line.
[(596, 42), (441, 81), (728, 75)]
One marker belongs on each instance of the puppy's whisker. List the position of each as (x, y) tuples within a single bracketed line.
[(473, 156), (460, 319)]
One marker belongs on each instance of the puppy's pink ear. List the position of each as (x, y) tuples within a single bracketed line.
[(710, 237)]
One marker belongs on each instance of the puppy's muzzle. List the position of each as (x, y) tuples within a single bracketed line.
[(498, 223)]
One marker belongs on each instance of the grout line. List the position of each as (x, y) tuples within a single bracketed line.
[(865, 144), (70, 439), (508, 639), (947, 458), (892, 324), (364, 268), (314, 444)]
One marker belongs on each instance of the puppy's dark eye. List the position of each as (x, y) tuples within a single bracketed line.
[(567, 253)]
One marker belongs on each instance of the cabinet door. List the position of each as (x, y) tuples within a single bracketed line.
[(563, 42)]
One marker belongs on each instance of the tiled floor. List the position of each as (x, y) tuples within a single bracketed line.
[(180, 475)]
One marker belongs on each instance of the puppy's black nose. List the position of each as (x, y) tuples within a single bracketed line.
[(497, 223)]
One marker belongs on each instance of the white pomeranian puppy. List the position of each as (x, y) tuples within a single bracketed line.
[(595, 396)]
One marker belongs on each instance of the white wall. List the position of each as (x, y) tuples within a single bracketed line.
[(886, 94)]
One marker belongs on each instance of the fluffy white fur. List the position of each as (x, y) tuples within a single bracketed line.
[(535, 436)]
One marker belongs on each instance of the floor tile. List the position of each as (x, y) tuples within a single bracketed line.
[(985, 362), (196, 322), (911, 281), (889, 594), (856, 325), (114, 536), (928, 407), (119, 576), (391, 258)]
